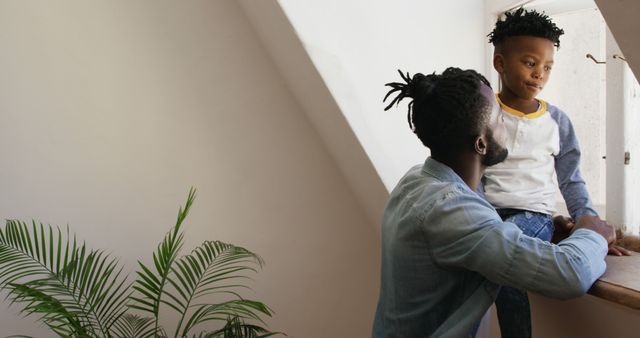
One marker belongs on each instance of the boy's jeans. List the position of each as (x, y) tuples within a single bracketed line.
[(512, 305)]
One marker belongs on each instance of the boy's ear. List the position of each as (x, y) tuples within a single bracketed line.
[(480, 145), (498, 63)]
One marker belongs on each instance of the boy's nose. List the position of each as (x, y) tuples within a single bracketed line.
[(536, 75)]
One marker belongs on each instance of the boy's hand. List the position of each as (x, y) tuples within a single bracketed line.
[(598, 225), (563, 226)]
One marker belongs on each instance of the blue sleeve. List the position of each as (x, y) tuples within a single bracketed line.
[(468, 233), (567, 166)]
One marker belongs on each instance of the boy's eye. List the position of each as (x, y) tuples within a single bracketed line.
[(529, 63), (547, 68)]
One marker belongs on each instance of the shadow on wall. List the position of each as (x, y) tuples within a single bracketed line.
[(110, 109)]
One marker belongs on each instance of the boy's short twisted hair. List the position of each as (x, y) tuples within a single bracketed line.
[(448, 110), (523, 22)]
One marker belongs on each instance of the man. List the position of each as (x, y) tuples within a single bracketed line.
[(445, 250)]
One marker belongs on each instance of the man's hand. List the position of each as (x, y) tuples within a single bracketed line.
[(563, 226), (598, 225)]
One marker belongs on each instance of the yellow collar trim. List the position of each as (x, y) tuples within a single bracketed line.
[(538, 113)]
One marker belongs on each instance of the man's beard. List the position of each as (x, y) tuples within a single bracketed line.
[(496, 153)]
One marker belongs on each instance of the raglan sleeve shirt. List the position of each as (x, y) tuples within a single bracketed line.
[(567, 162)]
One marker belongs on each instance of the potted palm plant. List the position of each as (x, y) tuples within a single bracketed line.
[(81, 292)]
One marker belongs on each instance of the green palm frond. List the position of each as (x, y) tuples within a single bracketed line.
[(237, 328), (30, 253), (150, 285), (79, 292), (134, 326), (212, 268), (73, 289), (238, 308), (55, 314)]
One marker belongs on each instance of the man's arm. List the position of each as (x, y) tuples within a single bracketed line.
[(464, 231)]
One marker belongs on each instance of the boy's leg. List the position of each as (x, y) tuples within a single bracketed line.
[(512, 305)]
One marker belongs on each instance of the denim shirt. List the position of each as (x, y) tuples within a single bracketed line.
[(445, 251)]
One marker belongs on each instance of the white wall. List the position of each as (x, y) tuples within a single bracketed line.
[(307, 86), (623, 109), (623, 105), (111, 110), (585, 103), (358, 45)]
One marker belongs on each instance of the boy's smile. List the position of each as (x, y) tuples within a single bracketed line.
[(524, 64)]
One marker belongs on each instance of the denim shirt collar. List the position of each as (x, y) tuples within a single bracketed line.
[(441, 171)]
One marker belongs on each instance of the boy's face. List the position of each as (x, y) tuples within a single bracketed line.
[(524, 64)]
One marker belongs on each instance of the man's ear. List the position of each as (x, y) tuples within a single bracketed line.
[(498, 63), (480, 145)]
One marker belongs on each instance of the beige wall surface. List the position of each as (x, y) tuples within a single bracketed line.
[(111, 110), (584, 317)]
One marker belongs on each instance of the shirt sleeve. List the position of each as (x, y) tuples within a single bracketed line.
[(467, 233), (567, 166)]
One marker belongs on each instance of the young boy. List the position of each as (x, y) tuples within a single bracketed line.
[(541, 141)]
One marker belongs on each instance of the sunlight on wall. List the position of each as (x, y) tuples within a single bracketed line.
[(357, 47)]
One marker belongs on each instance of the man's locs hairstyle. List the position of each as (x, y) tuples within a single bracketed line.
[(447, 111), (523, 22)]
